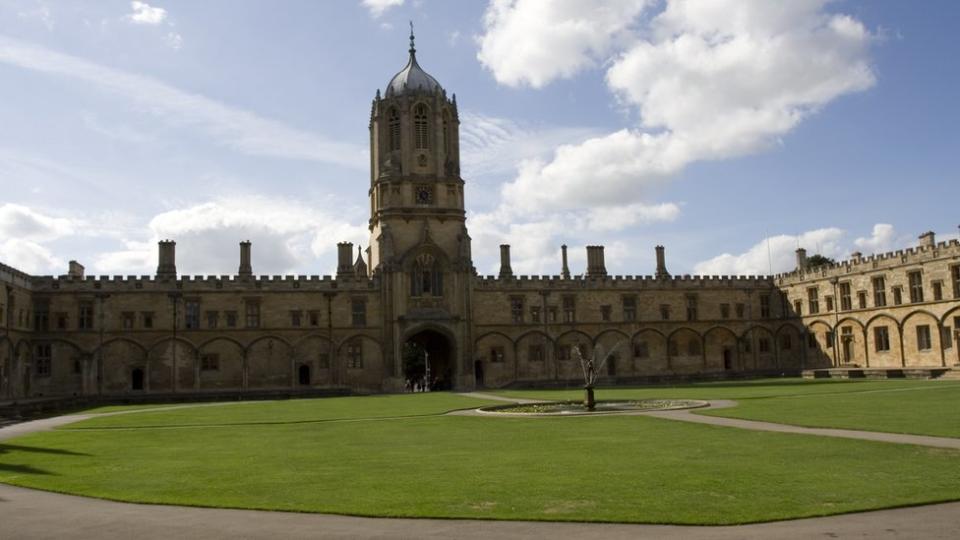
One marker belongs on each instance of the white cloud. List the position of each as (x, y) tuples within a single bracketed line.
[(883, 238), (144, 13), (173, 40), (22, 223), (288, 236), (534, 42), (709, 80), (228, 126), (41, 13), (379, 7), (776, 254), (29, 257), (616, 218)]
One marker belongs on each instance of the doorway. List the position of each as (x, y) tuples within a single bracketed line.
[(303, 375), (136, 379), (727, 358)]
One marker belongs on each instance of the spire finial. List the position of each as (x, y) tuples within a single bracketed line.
[(412, 48)]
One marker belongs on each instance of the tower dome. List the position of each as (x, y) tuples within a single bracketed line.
[(412, 78)]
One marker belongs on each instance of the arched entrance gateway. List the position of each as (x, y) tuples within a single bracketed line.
[(429, 346)]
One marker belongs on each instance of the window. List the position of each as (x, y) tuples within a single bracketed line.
[(881, 338), (693, 347), (147, 317), (295, 318), (358, 312), (955, 278), (496, 354), (127, 320), (552, 310), (829, 300), (740, 309), (812, 340), (252, 313), (937, 290), (61, 320), (213, 319), (916, 287), (763, 344), (41, 317), (845, 302), (879, 292), (314, 318), (192, 318), (426, 277), (421, 127), (764, 306), (569, 309), (829, 339), (923, 337), (862, 299), (535, 313), (43, 360), (786, 343), (85, 316), (798, 307), (692, 307), (231, 319), (629, 308), (665, 312), (946, 337), (724, 311), (516, 309), (897, 295), (355, 354), (747, 344), (813, 300), (605, 313), (393, 120), (640, 349), (535, 353), (209, 362)]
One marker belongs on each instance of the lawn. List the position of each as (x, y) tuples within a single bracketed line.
[(906, 406), (396, 456)]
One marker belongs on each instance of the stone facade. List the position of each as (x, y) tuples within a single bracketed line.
[(174, 334)]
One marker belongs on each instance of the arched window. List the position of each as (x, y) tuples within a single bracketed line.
[(447, 134), (421, 127), (426, 279), (393, 122)]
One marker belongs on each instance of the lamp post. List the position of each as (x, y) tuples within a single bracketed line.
[(426, 361)]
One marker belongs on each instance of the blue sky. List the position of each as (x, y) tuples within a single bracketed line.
[(729, 131)]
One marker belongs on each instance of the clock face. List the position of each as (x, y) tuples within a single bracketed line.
[(424, 195)]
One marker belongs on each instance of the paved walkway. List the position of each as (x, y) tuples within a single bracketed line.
[(31, 514)]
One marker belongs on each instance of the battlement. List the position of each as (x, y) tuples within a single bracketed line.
[(876, 261), (14, 276), (685, 281), (201, 283)]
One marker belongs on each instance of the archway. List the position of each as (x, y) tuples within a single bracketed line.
[(433, 347)]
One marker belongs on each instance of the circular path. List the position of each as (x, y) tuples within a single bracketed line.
[(32, 514)]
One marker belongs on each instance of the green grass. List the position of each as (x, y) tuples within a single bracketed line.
[(913, 407), (288, 455)]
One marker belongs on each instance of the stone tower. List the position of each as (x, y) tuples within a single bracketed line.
[(419, 246)]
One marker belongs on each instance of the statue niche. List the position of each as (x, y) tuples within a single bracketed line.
[(426, 277)]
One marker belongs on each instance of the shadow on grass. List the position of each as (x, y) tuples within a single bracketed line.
[(22, 469), (4, 448), (259, 423)]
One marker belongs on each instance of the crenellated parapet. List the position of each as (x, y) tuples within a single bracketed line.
[(201, 283), (685, 281)]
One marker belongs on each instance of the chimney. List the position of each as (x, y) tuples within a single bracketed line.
[(565, 272), (661, 264), (505, 270), (75, 270), (167, 265), (928, 239), (595, 265), (246, 270), (344, 262), (801, 259)]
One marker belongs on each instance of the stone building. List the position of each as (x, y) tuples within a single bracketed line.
[(170, 333)]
